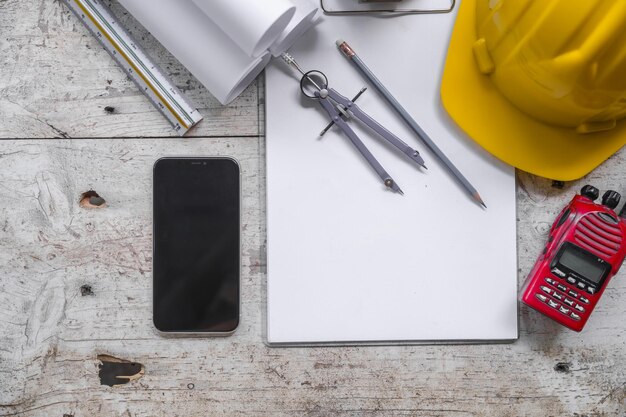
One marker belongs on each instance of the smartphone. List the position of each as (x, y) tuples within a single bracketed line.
[(197, 249)]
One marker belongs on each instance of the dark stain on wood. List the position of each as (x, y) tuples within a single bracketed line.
[(563, 367), (91, 199), (109, 109), (96, 201), (86, 290), (114, 371)]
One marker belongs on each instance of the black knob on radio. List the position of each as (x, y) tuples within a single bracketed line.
[(611, 199), (590, 192)]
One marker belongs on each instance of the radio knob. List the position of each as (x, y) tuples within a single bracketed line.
[(590, 192), (611, 199)]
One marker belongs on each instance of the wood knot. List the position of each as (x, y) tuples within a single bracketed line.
[(114, 371), (91, 199), (109, 109)]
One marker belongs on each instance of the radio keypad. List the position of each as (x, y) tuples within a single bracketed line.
[(573, 281), (551, 281), (557, 296)]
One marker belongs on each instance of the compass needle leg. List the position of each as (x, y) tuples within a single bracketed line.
[(411, 153), (371, 160)]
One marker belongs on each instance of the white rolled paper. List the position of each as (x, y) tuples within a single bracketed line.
[(306, 15), (252, 24), (199, 44)]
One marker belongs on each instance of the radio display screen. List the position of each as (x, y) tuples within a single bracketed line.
[(582, 265)]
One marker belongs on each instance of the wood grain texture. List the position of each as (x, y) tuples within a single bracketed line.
[(54, 330), (75, 282), (56, 80)]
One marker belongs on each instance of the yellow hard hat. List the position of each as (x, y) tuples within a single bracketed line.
[(540, 84)]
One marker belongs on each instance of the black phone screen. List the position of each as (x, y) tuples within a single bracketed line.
[(196, 261)]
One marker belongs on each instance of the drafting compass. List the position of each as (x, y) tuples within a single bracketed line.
[(314, 85)]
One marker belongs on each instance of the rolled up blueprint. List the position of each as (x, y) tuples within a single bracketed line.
[(199, 44), (307, 13), (252, 24)]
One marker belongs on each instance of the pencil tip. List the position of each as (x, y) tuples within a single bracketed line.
[(478, 199)]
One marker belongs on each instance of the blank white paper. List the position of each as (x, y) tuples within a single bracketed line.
[(304, 18), (351, 262), (252, 24)]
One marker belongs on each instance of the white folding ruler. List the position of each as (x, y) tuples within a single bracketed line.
[(136, 63)]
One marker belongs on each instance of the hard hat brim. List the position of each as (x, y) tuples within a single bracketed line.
[(475, 104)]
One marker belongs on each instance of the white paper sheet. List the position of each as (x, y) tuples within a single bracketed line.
[(252, 24), (200, 45), (224, 43), (349, 261), (307, 13)]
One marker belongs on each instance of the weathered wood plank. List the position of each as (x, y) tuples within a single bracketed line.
[(56, 80), (75, 284)]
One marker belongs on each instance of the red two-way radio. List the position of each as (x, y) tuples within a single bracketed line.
[(585, 249)]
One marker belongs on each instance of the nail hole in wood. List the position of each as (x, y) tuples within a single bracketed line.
[(563, 367), (86, 290)]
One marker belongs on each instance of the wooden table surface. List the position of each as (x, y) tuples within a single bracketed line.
[(75, 283)]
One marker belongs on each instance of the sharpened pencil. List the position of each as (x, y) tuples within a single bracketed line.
[(367, 73)]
